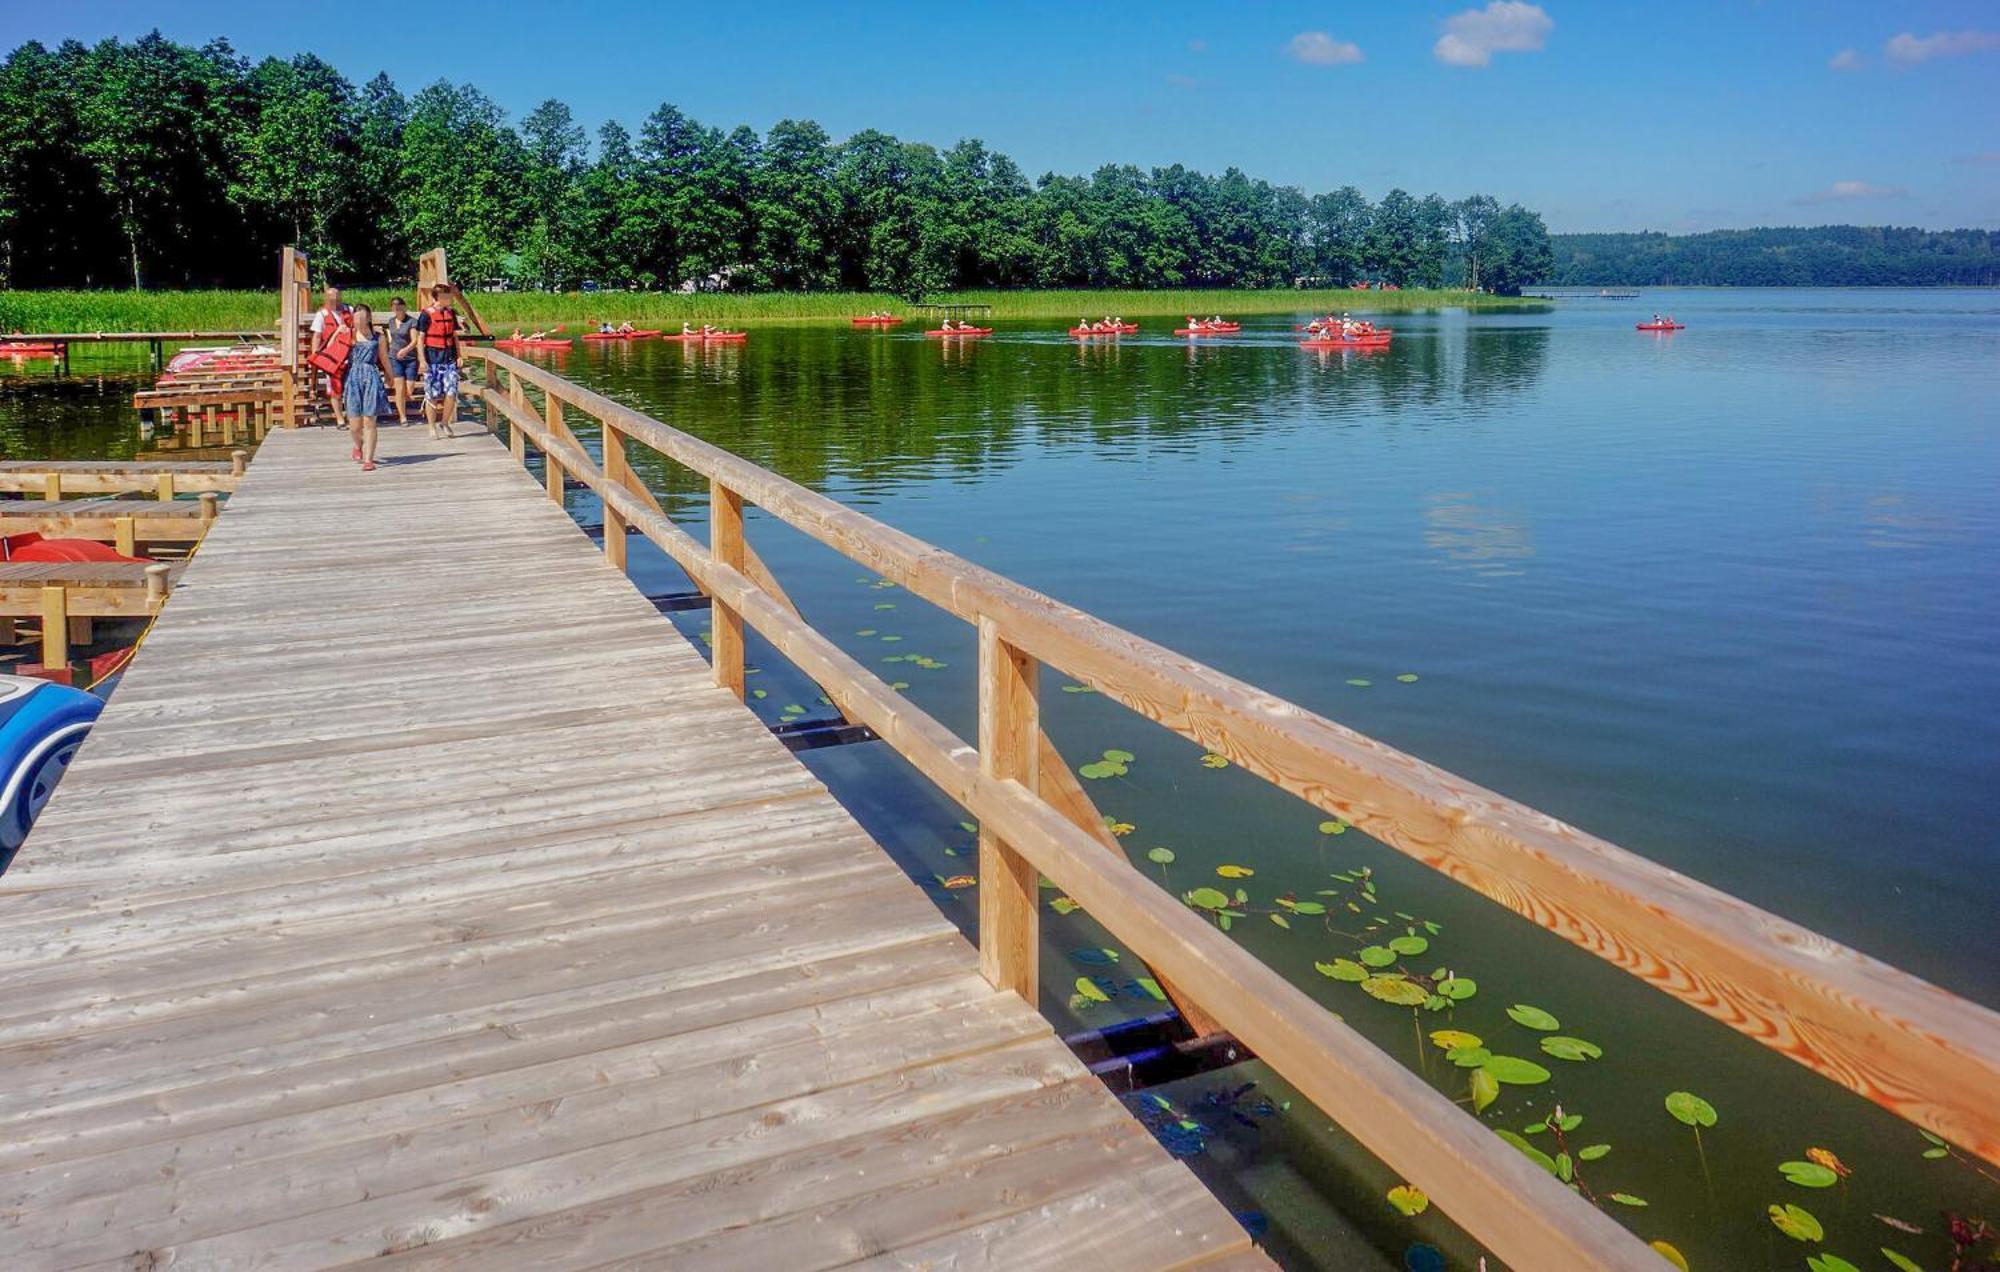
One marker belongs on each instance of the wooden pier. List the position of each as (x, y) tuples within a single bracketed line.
[(423, 896), (419, 892)]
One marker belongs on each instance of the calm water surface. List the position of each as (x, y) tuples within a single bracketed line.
[(1725, 597)]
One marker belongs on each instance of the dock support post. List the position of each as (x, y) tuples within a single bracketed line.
[(238, 461), (164, 487), (615, 474), (52, 487), (125, 536), (157, 581), (55, 627), (725, 543), (211, 503), (1009, 740)]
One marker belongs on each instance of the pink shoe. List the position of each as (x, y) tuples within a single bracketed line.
[(367, 465), (357, 454)]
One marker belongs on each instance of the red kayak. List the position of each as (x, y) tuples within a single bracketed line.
[(1662, 326), (545, 343), (1378, 340), (875, 322), (618, 335), (706, 337), (1229, 330), (1124, 329), (24, 350), (30, 546), (964, 332)]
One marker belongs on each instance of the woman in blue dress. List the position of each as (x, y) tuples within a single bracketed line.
[(368, 372)]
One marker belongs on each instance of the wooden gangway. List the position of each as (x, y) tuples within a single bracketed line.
[(420, 893)]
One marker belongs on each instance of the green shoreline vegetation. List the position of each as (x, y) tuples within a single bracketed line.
[(80, 311)]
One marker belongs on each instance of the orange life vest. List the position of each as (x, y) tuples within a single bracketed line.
[(332, 355), (442, 330)]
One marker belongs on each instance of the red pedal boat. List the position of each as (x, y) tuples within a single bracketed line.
[(1662, 326), (967, 333)]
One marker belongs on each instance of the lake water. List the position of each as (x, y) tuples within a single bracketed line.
[(1725, 597)]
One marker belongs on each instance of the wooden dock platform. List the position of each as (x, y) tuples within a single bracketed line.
[(420, 897)]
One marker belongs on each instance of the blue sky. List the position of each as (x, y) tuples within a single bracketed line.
[(1687, 115)]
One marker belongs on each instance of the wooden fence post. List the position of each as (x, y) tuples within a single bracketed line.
[(55, 626), (725, 544), (552, 472), (517, 438), (1009, 741), (616, 473)]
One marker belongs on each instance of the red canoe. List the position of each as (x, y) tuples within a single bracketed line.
[(618, 335), (1379, 340), (1662, 326), (875, 322), (1230, 330), (1125, 329), (705, 337), (968, 332), (24, 350)]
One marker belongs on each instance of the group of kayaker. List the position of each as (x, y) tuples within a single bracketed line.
[(1109, 323), (537, 334), (706, 329), (1216, 321), (366, 366), (604, 328), (1667, 321), (958, 324), (1341, 328)]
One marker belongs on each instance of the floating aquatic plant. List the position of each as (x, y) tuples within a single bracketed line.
[(1808, 1174), (1532, 1017), (1796, 1222), (1409, 1199)]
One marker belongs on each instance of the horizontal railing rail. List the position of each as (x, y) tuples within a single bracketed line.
[(1927, 1055)]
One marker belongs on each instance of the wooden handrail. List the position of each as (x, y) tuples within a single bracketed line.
[(1926, 1054)]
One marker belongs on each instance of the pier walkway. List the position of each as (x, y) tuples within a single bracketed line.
[(420, 894)]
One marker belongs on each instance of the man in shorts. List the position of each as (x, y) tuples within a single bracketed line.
[(437, 356), (331, 315)]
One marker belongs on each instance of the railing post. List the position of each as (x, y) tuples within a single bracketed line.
[(615, 470), (552, 472), (517, 440), (725, 543), (1009, 733)]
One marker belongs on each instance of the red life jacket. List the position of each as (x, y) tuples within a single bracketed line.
[(442, 331), (332, 355)]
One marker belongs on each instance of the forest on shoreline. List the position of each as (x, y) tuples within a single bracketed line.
[(1818, 256), (154, 164)]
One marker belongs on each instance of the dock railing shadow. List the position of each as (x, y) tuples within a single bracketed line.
[(1915, 1049)]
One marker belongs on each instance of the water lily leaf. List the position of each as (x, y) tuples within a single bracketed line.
[(1591, 1152), (1691, 1109), (1063, 905), (1409, 1199), (1097, 770), (1529, 1151), (1235, 872), (1359, 683), (1532, 1017), (899, 684), (1829, 1263), (1119, 828), (1214, 761), (1078, 689), (1343, 969), (1151, 988), (1095, 956), (1207, 899), (1627, 1199), (1808, 1174), (1902, 1261), (1666, 1251), (1796, 1223), (759, 693), (1932, 1138), (1160, 856), (1409, 945), (1468, 1057), (1458, 988), (1408, 677), (1563, 1048), (1485, 1090), (1515, 1071), (1935, 1153), (1393, 989), (1308, 907), (1120, 757), (1089, 989), (1377, 956), (1453, 1039), (1281, 920), (1333, 827)]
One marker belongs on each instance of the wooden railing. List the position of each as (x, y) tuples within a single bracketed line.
[(1909, 1046)]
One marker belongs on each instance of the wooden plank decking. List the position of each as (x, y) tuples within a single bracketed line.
[(418, 895)]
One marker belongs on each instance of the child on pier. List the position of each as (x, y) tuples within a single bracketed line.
[(437, 354)]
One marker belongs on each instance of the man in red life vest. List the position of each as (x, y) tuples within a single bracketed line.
[(437, 356), (333, 325)]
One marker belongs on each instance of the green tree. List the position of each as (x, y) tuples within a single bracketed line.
[(1518, 251)]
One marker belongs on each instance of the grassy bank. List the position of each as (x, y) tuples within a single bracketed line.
[(249, 311)]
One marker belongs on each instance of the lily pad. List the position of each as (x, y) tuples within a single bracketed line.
[(1529, 1151), (1410, 946), (1458, 988), (1151, 988), (1214, 761), (1281, 921), (1409, 1199), (1098, 770), (1360, 683), (1063, 905), (1394, 989), (1308, 907), (1796, 1223), (1829, 1263), (1485, 1090), (1343, 969), (1627, 1199), (1408, 678), (1160, 856), (1902, 1261), (1090, 989), (1515, 1071), (1377, 956), (1808, 1174), (1532, 1017), (1691, 1109), (1563, 1048), (1235, 872), (1665, 1250), (1453, 1039), (1468, 1057), (1120, 757), (1334, 827), (1207, 899)]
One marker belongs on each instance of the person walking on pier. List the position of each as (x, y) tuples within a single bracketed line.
[(368, 370), (332, 323), (437, 354), (403, 378)]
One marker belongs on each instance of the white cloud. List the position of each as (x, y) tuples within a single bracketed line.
[(1317, 48), (1504, 26), (1845, 60), (1908, 50), (1841, 191)]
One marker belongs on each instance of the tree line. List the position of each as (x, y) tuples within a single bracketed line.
[(157, 164), (1821, 256)]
